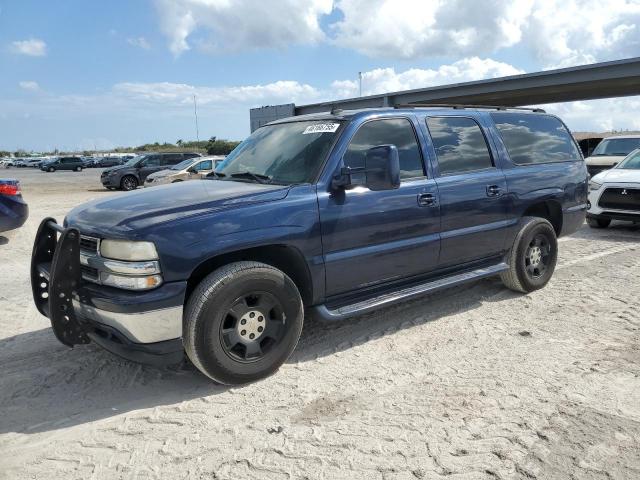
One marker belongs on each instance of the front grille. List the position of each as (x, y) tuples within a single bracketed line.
[(89, 244), (620, 199)]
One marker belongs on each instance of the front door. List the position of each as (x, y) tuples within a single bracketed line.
[(373, 237), (149, 165), (472, 192)]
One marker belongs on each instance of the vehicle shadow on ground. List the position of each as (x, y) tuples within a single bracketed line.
[(619, 231), (3, 240), (46, 386)]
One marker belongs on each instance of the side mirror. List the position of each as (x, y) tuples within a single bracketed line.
[(382, 168), (192, 170)]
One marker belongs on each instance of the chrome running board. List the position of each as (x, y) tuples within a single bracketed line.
[(386, 299)]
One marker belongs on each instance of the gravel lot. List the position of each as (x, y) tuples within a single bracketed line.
[(475, 382)]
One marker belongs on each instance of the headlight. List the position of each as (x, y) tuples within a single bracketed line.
[(128, 250), (593, 186), (130, 283)]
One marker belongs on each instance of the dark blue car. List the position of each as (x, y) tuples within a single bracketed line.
[(335, 214), (13, 209)]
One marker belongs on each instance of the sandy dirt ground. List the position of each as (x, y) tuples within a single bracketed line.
[(474, 383)]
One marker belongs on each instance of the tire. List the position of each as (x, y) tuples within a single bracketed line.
[(215, 340), (128, 183), (51, 169), (533, 256), (598, 222), (78, 169)]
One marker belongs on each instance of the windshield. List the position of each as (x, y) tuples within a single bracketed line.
[(620, 147), (632, 162), (285, 153), (182, 164), (134, 160)]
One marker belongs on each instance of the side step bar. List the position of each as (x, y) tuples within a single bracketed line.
[(341, 313)]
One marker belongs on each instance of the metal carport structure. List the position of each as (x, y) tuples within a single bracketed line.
[(587, 82)]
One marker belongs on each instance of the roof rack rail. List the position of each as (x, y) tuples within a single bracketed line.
[(462, 106)]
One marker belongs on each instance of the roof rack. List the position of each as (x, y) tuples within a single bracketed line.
[(462, 106)]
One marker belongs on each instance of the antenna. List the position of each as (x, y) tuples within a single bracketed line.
[(195, 113)]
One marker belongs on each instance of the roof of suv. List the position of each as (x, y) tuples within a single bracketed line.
[(349, 114)]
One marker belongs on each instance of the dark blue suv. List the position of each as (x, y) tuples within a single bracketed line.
[(334, 214)]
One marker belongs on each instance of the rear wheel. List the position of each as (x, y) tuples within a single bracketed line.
[(598, 222), (533, 257), (51, 169), (78, 169), (242, 322), (129, 182)]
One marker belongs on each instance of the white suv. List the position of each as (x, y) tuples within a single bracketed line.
[(615, 194), (610, 152)]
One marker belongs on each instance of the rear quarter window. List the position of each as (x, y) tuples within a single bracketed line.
[(532, 139)]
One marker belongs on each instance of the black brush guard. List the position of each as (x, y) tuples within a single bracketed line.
[(55, 279)]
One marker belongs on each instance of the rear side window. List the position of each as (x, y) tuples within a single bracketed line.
[(460, 145), (152, 161), (532, 139), (171, 159), (392, 131)]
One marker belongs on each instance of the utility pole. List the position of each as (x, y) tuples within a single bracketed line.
[(360, 79), (195, 112)]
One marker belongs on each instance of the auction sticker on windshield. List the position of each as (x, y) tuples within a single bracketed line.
[(321, 128)]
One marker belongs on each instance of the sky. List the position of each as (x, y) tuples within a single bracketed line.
[(83, 75)]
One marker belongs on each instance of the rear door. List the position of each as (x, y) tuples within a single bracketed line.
[(472, 191), (202, 169)]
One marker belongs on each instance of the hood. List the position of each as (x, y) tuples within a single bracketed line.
[(618, 175), (115, 168), (604, 160), (162, 173), (134, 211)]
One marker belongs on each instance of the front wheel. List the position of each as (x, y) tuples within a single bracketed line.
[(242, 322), (598, 222), (129, 182), (51, 169), (533, 256)]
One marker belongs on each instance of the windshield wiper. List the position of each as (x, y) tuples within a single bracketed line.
[(253, 176)]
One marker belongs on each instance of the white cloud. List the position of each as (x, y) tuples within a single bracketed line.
[(29, 85), (599, 115), (241, 24), (178, 94), (32, 47), (427, 28), (571, 32), (139, 42), (555, 32), (384, 80)]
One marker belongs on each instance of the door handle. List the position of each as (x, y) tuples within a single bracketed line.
[(426, 199), (493, 191)]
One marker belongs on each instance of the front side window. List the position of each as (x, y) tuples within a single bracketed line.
[(284, 153), (206, 165), (532, 139), (391, 131), (151, 161), (459, 144)]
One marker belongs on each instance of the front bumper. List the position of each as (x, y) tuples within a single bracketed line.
[(110, 180), (140, 326), (598, 211)]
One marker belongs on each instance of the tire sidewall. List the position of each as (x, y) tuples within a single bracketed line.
[(212, 357), (538, 226), (122, 183)]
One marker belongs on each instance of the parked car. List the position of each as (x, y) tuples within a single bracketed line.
[(615, 194), (610, 152), (190, 169), (89, 162), (63, 163), (20, 163), (14, 211), (133, 173), (339, 214), (110, 162)]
